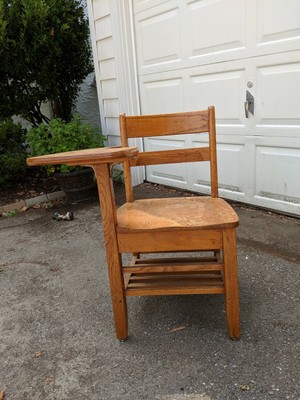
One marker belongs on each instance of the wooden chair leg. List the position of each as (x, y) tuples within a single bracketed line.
[(114, 262), (118, 296), (231, 283)]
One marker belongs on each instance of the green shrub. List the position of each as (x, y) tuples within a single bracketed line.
[(60, 136), (45, 55), (12, 152)]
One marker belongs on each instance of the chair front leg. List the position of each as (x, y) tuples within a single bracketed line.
[(114, 261)]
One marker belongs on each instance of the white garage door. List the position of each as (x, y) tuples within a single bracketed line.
[(192, 54)]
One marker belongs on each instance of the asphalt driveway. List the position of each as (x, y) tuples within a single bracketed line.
[(57, 337)]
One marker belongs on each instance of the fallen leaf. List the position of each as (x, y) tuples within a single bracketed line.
[(49, 379), (2, 394), (244, 387), (54, 269), (178, 328), (37, 354)]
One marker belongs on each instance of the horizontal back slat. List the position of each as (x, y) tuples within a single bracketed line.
[(166, 124), (171, 156)]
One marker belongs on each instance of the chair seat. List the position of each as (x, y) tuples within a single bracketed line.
[(180, 212)]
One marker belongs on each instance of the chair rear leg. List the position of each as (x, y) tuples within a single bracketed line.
[(231, 283)]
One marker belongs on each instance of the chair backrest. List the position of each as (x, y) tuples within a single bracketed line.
[(171, 124)]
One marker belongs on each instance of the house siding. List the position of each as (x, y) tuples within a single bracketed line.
[(100, 17)]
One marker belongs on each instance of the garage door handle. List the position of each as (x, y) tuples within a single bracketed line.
[(246, 105), (249, 104)]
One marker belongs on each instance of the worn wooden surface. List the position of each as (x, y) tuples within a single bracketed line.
[(169, 240), (184, 212), (171, 156), (166, 124), (172, 284), (85, 157)]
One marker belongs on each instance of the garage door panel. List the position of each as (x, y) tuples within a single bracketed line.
[(162, 95), (230, 160), (214, 28), (170, 174), (142, 5), (277, 21), (278, 94), (159, 37), (200, 175), (224, 91), (277, 173), (229, 163)]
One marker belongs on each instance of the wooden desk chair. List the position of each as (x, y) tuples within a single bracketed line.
[(185, 224), (202, 223)]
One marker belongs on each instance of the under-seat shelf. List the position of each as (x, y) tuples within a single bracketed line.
[(174, 276)]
